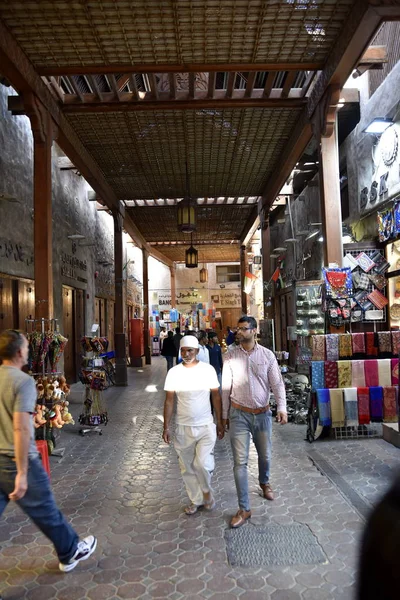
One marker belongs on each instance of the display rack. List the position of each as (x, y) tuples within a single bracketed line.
[(310, 320), (94, 377)]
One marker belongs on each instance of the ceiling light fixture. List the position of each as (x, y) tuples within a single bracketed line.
[(76, 236), (312, 234), (279, 249), (191, 256), (378, 125), (186, 210)]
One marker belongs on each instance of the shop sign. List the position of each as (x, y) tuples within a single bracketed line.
[(187, 297), (14, 252), (70, 265), (379, 179), (227, 298)]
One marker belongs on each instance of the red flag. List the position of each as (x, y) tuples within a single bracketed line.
[(276, 274)]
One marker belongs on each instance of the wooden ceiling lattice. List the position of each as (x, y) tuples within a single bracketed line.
[(229, 153), (166, 31), (209, 253)]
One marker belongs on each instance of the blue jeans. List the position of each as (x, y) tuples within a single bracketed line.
[(39, 504), (259, 427), (170, 362)]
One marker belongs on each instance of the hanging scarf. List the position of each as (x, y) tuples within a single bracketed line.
[(390, 404), (344, 373), (337, 407), (332, 346), (317, 375), (363, 405), (318, 347), (331, 374), (324, 410), (358, 343), (376, 404), (372, 343), (345, 350), (394, 362), (357, 373), (396, 343), (384, 374), (384, 342), (371, 373), (351, 407)]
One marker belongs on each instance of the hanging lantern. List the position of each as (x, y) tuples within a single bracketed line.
[(191, 256), (203, 275), (186, 211)]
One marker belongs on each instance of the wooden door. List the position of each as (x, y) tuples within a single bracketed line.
[(80, 326), (69, 333), (7, 318), (26, 302), (110, 323), (230, 317)]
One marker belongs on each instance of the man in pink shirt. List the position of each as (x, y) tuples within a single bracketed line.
[(249, 373)]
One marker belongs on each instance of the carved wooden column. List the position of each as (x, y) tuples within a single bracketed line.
[(121, 373), (147, 351), (43, 134), (266, 263), (243, 269), (325, 128), (173, 285)]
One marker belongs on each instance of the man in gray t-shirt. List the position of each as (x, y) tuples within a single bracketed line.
[(22, 477)]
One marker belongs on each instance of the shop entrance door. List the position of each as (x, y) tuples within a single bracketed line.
[(69, 333), (26, 302), (7, 316), (110, 324), (100, 315)]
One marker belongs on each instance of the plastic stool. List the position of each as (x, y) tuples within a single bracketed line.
[(41, 445)]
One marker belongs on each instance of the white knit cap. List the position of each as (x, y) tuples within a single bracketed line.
[(189, 341)]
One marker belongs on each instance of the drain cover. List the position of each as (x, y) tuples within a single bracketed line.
[(252, 546)]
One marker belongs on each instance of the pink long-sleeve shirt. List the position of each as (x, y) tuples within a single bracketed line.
[(249, 377)]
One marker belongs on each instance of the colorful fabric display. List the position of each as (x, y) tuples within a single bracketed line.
[(324, 407), (344, 373), (363, 406), (350, 406), (357, 373), (371, 373), (378, 299), (317, 375), (385, 342), (345, 349), (332, 346), (338, 282), (394, 366), (390, 404), (337, 407), (358, 343), (376, 404), (384, 372), (372, 343), (318, 347), (331, 374), (396, 342)]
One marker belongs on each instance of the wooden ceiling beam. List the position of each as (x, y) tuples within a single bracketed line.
[(93, 84), (179, 68), (114, 85), (74, 85), (211, 85), (230, 84), (287, 86), (157, 105), (192, 86), (268, 84), (172, 86), (134, 88), (251, 82)]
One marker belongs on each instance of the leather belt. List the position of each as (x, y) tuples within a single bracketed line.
[(253, 411)]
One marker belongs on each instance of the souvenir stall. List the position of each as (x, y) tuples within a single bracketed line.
[(94, 377)]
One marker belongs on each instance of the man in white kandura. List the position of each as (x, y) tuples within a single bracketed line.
[(195, 430)]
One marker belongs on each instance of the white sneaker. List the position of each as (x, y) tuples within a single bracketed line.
[(85, 548)]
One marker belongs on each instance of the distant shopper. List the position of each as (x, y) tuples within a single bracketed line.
[(177, 338), (230, 336), (235, 343), (22, 477), (214, 350), (163, 335), (195, 431), (203, 355), (169, 350)]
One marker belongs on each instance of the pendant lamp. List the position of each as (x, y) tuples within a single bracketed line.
[(203, 275), (191, 256), (186, 210)]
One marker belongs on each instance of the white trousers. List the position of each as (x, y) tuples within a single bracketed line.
[(195, 449)]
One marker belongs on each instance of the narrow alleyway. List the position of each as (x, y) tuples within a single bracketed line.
[(125, 487)]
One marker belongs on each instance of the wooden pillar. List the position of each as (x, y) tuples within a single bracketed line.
[(147, 351), (43, 134), (172, 270), (325, 128), (266, 265), (121, 372), (243, 269)]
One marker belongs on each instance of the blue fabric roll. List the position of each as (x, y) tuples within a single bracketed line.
[(324, 407), (376, 404), (317, 374)]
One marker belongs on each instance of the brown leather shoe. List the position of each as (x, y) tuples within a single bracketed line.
[(240, 518), (267, 491)]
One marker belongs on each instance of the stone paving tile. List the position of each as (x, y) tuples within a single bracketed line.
[(125, 487)]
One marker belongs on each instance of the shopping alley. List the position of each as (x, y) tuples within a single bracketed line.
[(125, 487)]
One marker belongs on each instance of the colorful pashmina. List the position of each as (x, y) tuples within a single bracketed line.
[(357, 373), (345, 345), (351, 407), (396, 342), (394, 362), (372, 343), (318, 347), (332, 346), (317, 375), (363, 406), (344, 373), (337, 407), (385, 342), (390, 405), (384, 374), (376, 404), (358, 343), (331, 374), (324, 407), (371, 373)]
